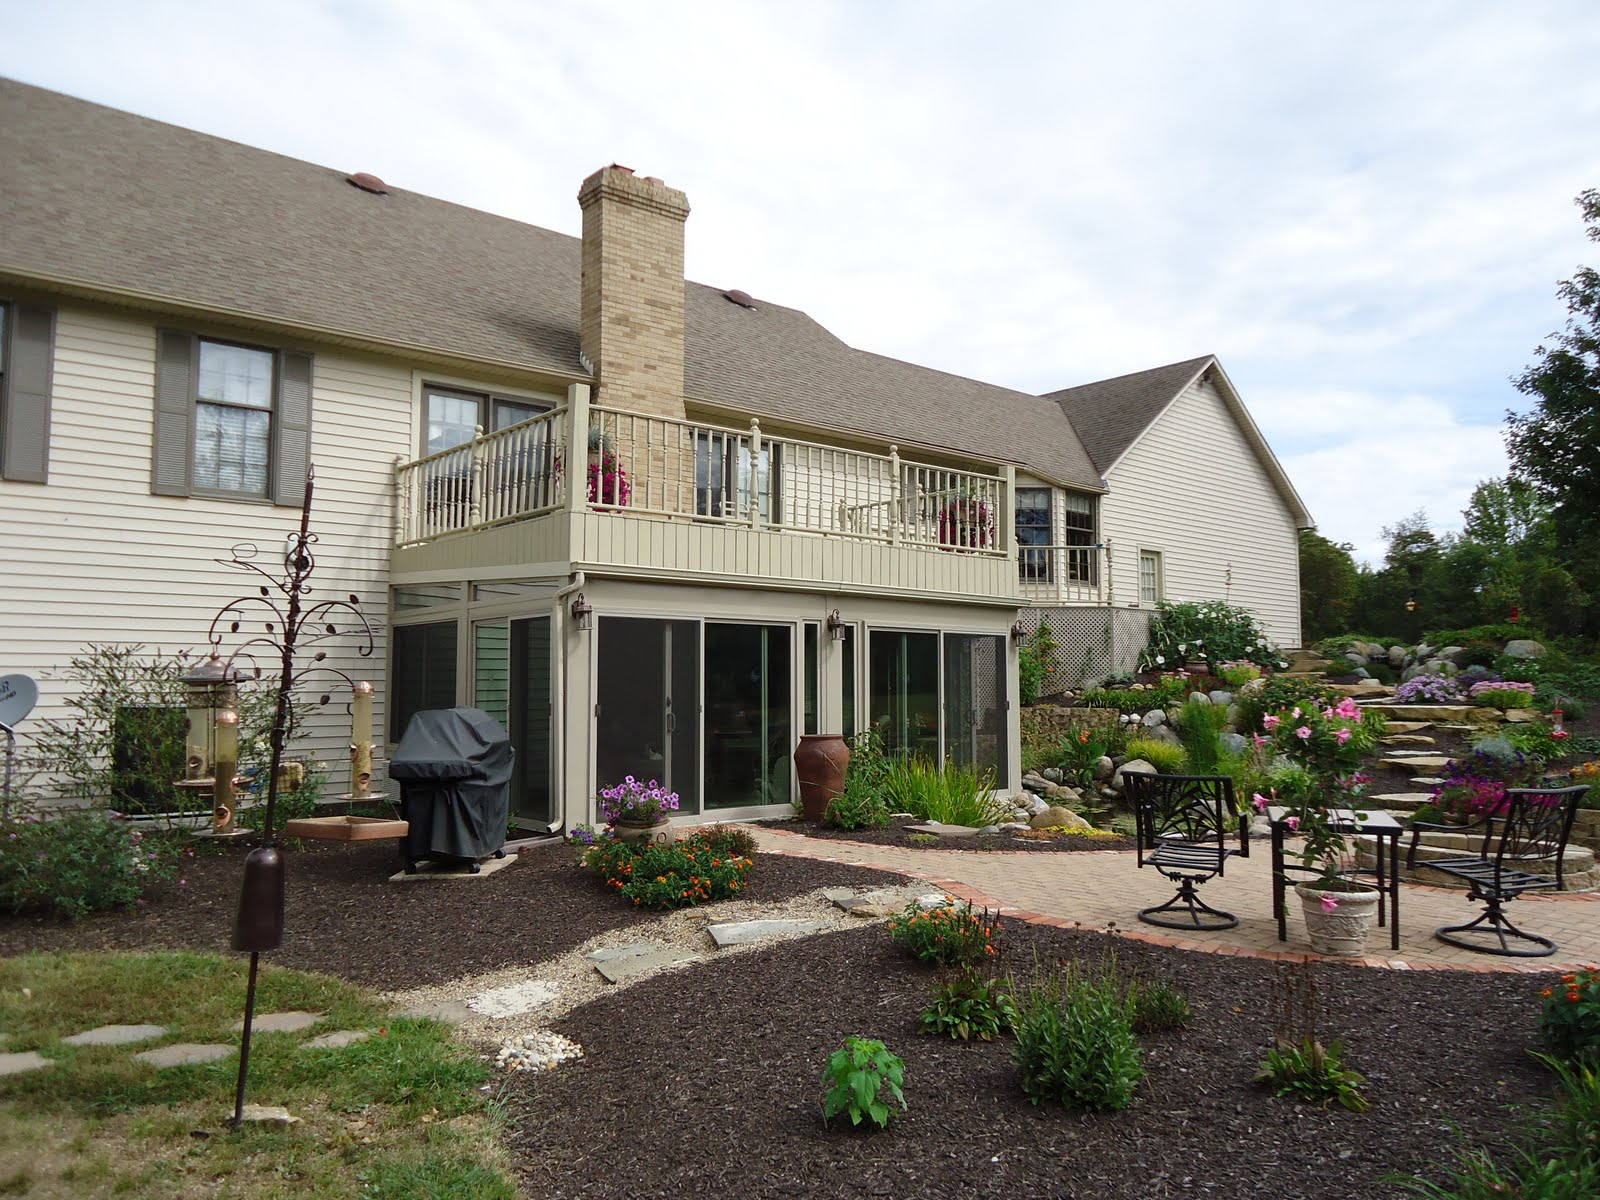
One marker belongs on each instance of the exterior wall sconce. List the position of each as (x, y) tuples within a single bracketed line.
[(1411, 605), (836, 626), (582, 612), (1017, 631)]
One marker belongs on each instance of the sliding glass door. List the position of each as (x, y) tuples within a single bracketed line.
[(903, 691), (749, 723), (939, 696), (511, 682), (974, 701), (646, 719)]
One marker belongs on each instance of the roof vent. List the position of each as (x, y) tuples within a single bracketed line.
[(368, 183), (742, 299)]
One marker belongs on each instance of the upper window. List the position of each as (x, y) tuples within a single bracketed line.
[(27, 338), (231, 420), (728, 479), (451, 416), (1150, 582), (1033, 534), (1079, 537)]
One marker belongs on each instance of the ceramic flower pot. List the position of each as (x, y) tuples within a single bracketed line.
[(819, 763), (644, 834), (1338, 915)]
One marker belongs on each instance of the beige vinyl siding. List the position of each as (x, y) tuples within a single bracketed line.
[(1193, 489), (92, 556)]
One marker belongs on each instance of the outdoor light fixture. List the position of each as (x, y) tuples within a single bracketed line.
[(1017, 631), (836, 626), (1411, 605), (582, 613)]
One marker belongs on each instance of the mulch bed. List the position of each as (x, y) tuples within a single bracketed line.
[(705, 1081), (899, 835)]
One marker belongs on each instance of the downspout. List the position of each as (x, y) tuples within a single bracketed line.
[(559, 640)]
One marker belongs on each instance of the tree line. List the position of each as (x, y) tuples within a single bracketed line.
[(1528, 553)]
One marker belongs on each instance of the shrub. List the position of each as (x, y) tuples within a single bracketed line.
[(1075, 1042), (1278, 694), (1081, 750), (953, 795), (857, 1076), (77, 861), (693, 870), (1163, 756), (1200, 724), (731, 839), (1037, 658), (1428, 689), (1501, 693), (1312, 1072), (1237, 674), (1158, 1005), (1208, 631), (302, 800), (857, 807), (966, 1007), (951, 935), (1569, 1019)]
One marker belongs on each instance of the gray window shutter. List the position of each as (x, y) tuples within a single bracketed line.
[(293, 421), (25, 413), (175, 368)]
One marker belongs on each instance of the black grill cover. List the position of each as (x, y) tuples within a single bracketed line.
[(454, 770)]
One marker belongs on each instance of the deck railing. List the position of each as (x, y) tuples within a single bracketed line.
[(1064, 574), (508, 475)]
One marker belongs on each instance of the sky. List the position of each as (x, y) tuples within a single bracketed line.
[(1362, 209)]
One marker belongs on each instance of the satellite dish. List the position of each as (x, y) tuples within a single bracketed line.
[(18, 695)]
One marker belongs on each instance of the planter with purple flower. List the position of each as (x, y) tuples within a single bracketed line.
[(638, 813)]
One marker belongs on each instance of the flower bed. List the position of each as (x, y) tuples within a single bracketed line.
[(695, 870)]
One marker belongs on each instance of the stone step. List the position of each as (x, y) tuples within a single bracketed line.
[(1425, 781), (1362, 691), (1579, 870), (1458, 714), (1408, 726), (1401, 761), (1398, 802), (1407, 739)]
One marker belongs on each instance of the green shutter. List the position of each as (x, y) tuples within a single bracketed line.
[(174, 432), (25, 410), (292, 452)]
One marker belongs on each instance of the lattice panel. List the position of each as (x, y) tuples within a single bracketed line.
[(1092, 642)]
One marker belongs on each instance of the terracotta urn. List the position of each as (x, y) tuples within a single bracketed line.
[(819, 763)]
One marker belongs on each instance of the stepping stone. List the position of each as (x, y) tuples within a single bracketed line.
[(1424, 781), (940, 829), (1408, 739), (115, 1035), (184, 1054), (740, 933), (1404, 801), (284, 1022), (28, 1060), (1409, 726), (450, 1012), (338, 1040), (872, 902), (515, 999), (431, 871), (617, 970), (631, 950), (268, 1114), (1402, 761)]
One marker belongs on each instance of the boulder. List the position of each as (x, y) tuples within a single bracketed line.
[(1524, 648), (1057, 817), (1200, 697), (1061, 792), (1053, 774), (1355, 658), (1234, 743), (1453, 653), (1103, 767), (1397, 657), (1136, 766), (1221, 698), (1521, 716), (1153, 718)]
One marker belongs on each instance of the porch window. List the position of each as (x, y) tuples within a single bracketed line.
[(1033, 530), (452, 416), (424, 674), (1150, 581), (1080, 537), (728, 479)]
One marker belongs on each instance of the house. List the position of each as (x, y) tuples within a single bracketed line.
[(658, 528)]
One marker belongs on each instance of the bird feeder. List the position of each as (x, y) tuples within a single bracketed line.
[(209, 689)]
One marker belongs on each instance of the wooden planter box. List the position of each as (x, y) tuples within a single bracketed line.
[(345, 829)]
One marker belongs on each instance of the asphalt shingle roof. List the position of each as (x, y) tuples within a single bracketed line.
[(1111, 414)]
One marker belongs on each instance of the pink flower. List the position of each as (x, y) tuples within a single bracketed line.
[(1260, 741), (1329, 903), (1269, 722), (1342, 736), (1348, 709), (1259, 801), (1303, 733), (1296, 713), (1558, 734), (1292, 822)]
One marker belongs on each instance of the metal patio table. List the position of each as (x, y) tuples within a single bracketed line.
[(1386, 858)]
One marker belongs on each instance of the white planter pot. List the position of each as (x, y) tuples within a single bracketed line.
[(1340, 928)]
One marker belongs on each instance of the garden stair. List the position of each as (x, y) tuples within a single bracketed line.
[(1579, 872), (1473, 715)]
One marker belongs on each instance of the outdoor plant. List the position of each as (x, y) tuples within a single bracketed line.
[(1208, 631), (608, 482), (861, 1078), (1569, 1018), (1165, 757), (952, 794), (1502, 693), (1238, 673), (1277, 694), (950, 934), (1158, 1005), (1075, 1042), (966, 522), (75, 861), (636, 802), (1037, 658), (693, 870), (1201, 725), (1428, 689), (1537, 743), (302, 800), (1309, 1071), (968, 1006), (1081, 751)]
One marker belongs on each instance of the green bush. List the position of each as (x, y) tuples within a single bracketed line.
[(1158, 1005), (951, 935), (1037, 658), (1166, 758), (1569, 1018), (1279, 694), (293, 803), (693, 870), (952, 795), (1081, 751), (857, 1076), (77, 861), (1075, 1042), (730, 839), (1312, 1072), (1200, 725), (857, 807), (966, 1007), (1207, 631)]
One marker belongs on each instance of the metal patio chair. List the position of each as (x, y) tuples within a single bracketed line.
[(1534, 827), (1184, 829)]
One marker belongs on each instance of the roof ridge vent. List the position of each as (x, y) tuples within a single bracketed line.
[(742, 299), (368, 183)]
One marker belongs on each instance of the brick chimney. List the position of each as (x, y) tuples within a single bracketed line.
[(632, 330)]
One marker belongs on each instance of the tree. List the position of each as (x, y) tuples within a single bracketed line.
[(1328, 586)]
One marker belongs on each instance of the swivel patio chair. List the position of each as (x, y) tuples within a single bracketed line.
[(1533, 827), (1184, 824)]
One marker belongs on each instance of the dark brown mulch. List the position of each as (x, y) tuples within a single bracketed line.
[(899, 835), (705, 1081)]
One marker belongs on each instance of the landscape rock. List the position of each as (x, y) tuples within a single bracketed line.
[(1524, 648), (1137, 766), (1221, 698), (1356, 659), (1103, 767), (1397, 656), (1154, 718), (1056, 817), (1234, 743)]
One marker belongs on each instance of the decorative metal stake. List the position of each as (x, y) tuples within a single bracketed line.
[(291, 625)]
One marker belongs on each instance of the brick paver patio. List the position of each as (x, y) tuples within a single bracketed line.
[(1105, 889)]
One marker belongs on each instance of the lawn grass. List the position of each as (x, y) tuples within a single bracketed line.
[(405, 1113)]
